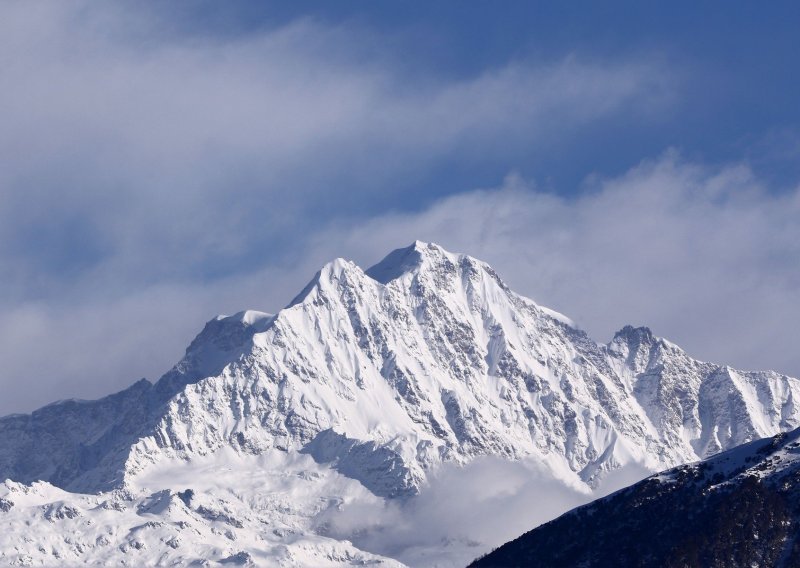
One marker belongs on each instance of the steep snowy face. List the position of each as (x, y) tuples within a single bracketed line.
[(380, 379), (83, 445), (709, 407), (428, 357)]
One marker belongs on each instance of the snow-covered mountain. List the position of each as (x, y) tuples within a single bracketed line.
[(737, 508), (376, 380)]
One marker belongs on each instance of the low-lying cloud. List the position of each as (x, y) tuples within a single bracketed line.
[(464, 511)]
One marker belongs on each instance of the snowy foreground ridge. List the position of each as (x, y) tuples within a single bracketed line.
[(317, 435)]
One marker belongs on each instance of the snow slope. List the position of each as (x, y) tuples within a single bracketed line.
[(228, 509), (425, 360)]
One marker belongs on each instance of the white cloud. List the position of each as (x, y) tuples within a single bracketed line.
[(705, 256), (152, 178), (464, 511), (442, 527), (151, 157)]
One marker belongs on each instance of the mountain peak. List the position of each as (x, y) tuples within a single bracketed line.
[(405, 260), (333, 270), (420, 256), (369, 386), (633, 344), (641, 337), (633, 334), (247, 318)]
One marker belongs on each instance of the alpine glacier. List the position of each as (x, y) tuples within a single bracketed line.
[(360, 392)]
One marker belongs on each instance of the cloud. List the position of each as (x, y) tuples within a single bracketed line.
[(151, 175), (93, 347), (464, 511), (135, 158), (706, 256), (442, 527)]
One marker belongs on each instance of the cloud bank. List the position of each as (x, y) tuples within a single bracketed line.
[(442, 527), (153, 178), (706, 256), (132, 157)]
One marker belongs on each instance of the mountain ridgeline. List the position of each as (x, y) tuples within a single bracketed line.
[(385, 375)]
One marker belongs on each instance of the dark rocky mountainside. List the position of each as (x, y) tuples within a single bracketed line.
[(739, 508)]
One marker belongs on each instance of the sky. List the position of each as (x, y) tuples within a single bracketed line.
[(161, 163)]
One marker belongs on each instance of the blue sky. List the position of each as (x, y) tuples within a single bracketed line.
[(626, 163), (734, 67)]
